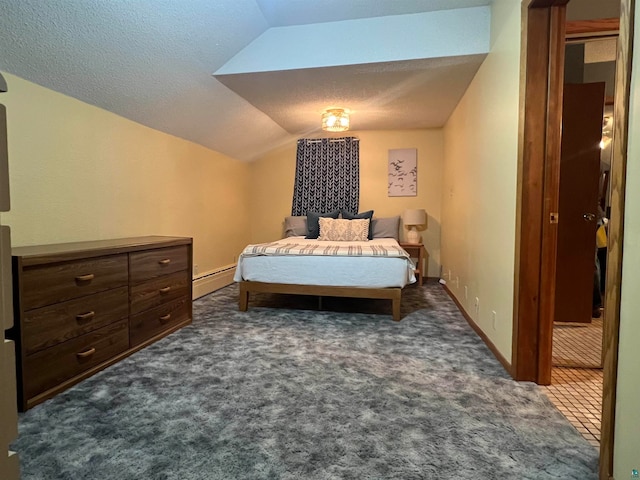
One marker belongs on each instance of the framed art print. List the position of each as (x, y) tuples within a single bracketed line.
[(403, 172)]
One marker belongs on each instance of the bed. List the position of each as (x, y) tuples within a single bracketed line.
[(378, 268)]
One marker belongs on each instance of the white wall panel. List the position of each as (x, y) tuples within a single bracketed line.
[(9, 467)]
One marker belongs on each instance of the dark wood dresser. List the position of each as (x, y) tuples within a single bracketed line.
[(80, 307)]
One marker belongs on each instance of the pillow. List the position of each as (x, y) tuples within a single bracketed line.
[(387, 227), (313, 229), (353, 216), (295, 226), (342, 230)]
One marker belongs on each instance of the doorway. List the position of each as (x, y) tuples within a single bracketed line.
[(576, 376), (538, 203)]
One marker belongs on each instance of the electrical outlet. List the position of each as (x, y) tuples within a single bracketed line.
[(195, 269), (477, 305), (494, 319), (466, 293)]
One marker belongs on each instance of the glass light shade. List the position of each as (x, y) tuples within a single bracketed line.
[(335, 120)]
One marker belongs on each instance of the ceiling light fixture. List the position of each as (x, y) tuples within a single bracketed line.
[(335, 120)]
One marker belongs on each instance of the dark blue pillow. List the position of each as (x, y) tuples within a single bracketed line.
[(313, 227), (359, 216)]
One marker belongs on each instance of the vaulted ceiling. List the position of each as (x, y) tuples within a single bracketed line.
[(242, 76)]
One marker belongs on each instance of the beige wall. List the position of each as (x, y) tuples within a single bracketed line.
[(78, 172), (479, 184), (272, 184), (627, 434)]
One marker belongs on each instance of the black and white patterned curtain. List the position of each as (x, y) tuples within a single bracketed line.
[(327, 175)]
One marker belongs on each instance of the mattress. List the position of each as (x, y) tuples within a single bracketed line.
[(326, 270)]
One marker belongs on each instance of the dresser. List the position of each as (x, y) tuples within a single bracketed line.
[(80, 307)]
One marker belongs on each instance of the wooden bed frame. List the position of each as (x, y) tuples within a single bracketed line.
[(392, 293)]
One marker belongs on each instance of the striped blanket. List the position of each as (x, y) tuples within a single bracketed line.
[(314, 247)]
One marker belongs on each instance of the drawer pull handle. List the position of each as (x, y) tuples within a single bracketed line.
[(81, 317), (165, 261), (165, 290), (165, 318), (85, 278), (86, 353)]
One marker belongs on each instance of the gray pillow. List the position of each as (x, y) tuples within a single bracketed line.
[(295, 226), (387, 227)]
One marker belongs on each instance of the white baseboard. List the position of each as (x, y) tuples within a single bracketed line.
[(208, 282)]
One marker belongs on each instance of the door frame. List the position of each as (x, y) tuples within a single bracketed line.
[(543, 40), (538, 184), (618, 175)]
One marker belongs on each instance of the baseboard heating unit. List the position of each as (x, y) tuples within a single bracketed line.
[(213, 280)]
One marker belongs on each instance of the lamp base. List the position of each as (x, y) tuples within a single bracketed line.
[(413, 237)]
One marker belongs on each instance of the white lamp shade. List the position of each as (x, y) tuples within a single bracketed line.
[(414, 217)]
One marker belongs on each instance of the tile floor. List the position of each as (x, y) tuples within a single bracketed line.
[(577, 393), (578, 344), (576, 377)]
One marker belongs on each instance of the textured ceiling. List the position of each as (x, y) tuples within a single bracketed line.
[(152, 61), (301, 12), (380, 96)]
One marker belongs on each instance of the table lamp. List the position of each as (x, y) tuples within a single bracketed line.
[(414, 218)]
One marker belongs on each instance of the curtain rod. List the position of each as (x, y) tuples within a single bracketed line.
[(331, 140)]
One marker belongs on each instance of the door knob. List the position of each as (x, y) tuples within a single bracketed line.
[(589, 217)]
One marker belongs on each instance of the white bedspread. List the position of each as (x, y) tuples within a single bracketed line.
[(378, 263)]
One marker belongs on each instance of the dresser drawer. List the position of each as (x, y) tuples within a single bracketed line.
[(53, 324), (152, 322), (158, 291), (46, 285), (155, 263), (50, 367)]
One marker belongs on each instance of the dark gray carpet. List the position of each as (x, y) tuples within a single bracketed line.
[(281, 393)]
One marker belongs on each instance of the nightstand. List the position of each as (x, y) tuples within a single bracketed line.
[(416, 250)]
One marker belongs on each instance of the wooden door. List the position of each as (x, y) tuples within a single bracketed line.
[(578, 200)]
